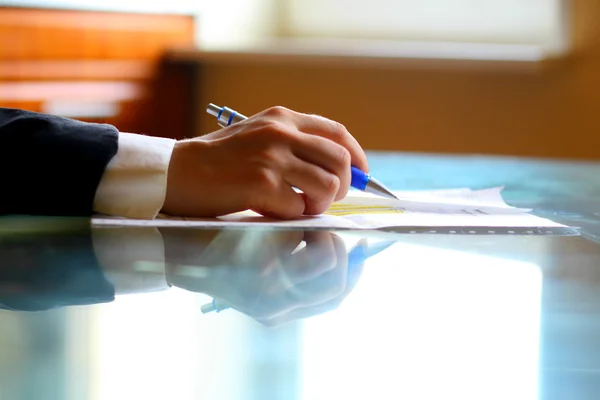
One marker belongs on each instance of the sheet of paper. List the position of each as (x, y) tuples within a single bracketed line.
[(440, 208), (491, 197)]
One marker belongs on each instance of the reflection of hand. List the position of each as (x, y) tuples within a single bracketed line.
[(256, 273), (256, 163)]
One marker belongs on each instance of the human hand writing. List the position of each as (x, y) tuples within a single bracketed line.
[(256, 164)]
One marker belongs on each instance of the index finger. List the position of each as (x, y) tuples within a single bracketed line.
[(332, 130)]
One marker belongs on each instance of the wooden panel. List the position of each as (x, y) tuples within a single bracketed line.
[(108, 63), (78, 70), (553, 114), (57, 90), (27, 34)]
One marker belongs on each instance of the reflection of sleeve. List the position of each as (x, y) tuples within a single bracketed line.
[(134, 184), (43, 271), (51, 165), (133, 259)]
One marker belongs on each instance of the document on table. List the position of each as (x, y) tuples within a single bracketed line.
[(438, 208)]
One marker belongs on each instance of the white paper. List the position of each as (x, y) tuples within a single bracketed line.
[(461, 207)]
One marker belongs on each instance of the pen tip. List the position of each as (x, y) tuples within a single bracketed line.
[(375, 187)]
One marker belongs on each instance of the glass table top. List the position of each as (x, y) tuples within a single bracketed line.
[(151, 313)]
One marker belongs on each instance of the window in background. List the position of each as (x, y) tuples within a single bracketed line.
[(518, 22), (488, 29)]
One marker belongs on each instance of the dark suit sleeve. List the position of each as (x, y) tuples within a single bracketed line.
[(51, 165)]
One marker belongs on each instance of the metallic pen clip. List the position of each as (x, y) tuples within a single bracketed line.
[(225, 115)]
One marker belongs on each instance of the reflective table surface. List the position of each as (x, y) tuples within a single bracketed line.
[(125, 313)]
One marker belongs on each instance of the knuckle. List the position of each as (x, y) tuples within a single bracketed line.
[(275, 130), (332, 184), (338, 129), (268, 157), (343, 157), (342, 193), (344, 160), (277, 111)]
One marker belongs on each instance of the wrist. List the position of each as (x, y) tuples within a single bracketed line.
[(189, 179), (175, 197)]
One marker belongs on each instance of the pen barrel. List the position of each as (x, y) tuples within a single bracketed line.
[(359, 179)]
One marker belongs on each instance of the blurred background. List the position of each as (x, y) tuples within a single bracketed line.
[(496, 77), (507, 77)]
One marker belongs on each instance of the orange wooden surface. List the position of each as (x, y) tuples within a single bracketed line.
[(30, 34), (49, 55)]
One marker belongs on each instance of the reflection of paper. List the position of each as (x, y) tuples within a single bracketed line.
[(456, 207)]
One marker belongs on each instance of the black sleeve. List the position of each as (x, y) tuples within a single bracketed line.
[(51, 165)]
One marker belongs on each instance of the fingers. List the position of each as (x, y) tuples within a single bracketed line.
[(322, 172), (320, 186), (283, 242), (326, 302), (313, 276), (273, 197), (311, 310), (319, 256), (329, 252), (328, 155), (336, 132), (323, 127)]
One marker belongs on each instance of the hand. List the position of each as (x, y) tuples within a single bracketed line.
[(256, 273), (256, 163)]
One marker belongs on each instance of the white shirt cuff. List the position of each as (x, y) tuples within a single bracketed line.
[(134, 184)]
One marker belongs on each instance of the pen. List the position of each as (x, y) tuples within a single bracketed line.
[(357, 256), (360, 180)]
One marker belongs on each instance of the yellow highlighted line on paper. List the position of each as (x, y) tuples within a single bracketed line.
[(352, 209)]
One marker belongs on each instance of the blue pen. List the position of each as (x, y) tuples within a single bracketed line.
[(356, 257), (360, 180)]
